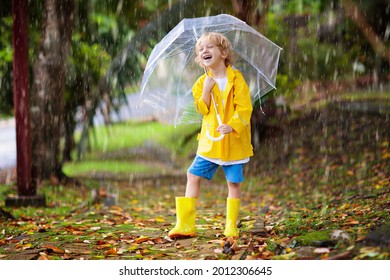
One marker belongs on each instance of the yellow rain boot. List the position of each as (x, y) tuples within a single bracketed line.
[(185, 218), (232, 209)]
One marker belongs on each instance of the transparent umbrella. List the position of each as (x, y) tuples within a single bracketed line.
[(171, 69)]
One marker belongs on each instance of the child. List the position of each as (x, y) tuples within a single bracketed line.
[(232, 97)]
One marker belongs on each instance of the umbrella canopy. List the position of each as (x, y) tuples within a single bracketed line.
[(171, 69)]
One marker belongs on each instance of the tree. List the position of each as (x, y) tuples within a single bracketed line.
[(47, 98), (353, 12)]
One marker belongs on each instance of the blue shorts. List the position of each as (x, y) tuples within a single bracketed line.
[(203, 168)]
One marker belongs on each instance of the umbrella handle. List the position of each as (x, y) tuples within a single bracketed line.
[(219, 138), (215, 139)]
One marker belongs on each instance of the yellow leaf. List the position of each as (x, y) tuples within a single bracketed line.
[(141, 239), (23, 246), (386, 156), (344, 206)]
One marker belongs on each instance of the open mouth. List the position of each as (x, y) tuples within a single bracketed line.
[(207, 57)]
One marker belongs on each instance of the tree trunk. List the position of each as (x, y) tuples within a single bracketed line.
[(21, 97), (353, 13), (244, 10), (47, 100)]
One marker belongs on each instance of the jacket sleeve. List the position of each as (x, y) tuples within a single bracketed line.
[(199, 103), (242, 106)]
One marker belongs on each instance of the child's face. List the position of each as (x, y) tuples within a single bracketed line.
[(210, 54)]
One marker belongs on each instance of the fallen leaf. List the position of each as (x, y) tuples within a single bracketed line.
[(95, 228), (55, 249), (112, 251), (66, 257), (23, 246), (191, 251), (141, 239), (216, 241), (369, 252), (43, 257), (353, 222), (159, 240), (101, 242)]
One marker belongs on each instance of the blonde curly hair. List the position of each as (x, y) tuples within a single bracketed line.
[(220, 41)]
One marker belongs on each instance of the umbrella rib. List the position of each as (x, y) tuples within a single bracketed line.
[(246, 58), (171, 53), (178, 88)]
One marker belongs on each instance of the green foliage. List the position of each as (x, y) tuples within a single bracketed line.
[(291, 7), (90, 61), (6, 85), (328, 47)]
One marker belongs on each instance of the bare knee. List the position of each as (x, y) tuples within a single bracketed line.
[(193, 185), (234, 190), (193, 179)]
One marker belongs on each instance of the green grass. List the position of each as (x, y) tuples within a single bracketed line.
[(365, 95), (79, 168), (132, 135), (119, 139)]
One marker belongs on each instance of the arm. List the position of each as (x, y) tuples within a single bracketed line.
[(201, 93), (207, 86)]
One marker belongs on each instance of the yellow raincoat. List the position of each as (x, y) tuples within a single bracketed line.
[(235, 110)]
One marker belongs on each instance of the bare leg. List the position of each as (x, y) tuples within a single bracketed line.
[(193, 185), (234, 190)]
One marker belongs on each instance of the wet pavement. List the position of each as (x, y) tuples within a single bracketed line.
[(7, 143)]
